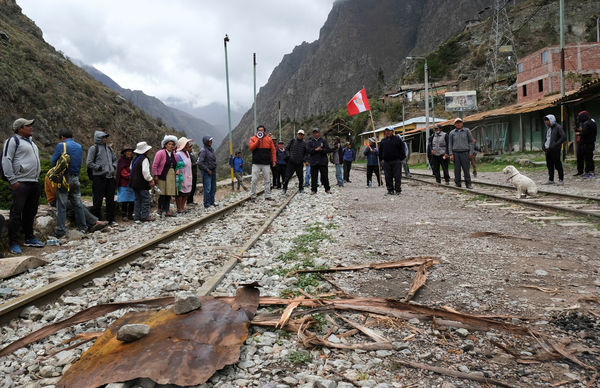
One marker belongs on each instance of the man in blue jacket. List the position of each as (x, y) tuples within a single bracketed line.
[(348, 157), (71, 193), (238, 170)]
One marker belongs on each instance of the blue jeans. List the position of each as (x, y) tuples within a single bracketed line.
[(307, 176), (209, 182), (73, 195), (141, 205), (338, 175)]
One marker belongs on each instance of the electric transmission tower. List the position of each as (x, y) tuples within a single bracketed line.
[(502, 58)]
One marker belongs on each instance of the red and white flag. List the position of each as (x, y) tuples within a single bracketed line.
[(358, 103)]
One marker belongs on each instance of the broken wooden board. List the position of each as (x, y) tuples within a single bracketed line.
[(548, 218), (573, 224), (408, 262), (12, 266), (182, 349), (499, 235)]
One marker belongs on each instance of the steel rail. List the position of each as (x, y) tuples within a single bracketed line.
[(86, 274)]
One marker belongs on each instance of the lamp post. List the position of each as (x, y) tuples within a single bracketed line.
[(225, 40), (426, 102)]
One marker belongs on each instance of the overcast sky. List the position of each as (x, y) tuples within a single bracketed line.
[(175, 48)]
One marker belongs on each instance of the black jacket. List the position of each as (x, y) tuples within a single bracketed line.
[(296, 149), (557, 135), (318, 158), (588, 128), (392, 148)]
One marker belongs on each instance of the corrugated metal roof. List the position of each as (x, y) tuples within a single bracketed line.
[(414, 120)]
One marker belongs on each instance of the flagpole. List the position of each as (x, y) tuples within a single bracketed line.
[(376, 145), (225, 40), (254, 67)]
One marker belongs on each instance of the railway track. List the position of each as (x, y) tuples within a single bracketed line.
[(194, 253), (578, 205)]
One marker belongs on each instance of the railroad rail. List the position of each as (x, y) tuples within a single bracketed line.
[(75, 279), (577, 205)]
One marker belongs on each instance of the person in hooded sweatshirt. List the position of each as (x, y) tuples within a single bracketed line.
[(102, 160), (587, 134), (555, 136), (207, 163)]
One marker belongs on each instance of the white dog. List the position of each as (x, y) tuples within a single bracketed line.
[(524, 185)]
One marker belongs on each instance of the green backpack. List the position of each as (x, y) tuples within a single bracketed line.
[(57, 174)]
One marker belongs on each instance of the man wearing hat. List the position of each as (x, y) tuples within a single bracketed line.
[(392, 153), (238, 169), (280, 166), (337, 158), (141, 180), (263, 157), (72, 192), (102, 161), (296, 150), (372, 155), (21, 166), (317, 149), (460, 148)]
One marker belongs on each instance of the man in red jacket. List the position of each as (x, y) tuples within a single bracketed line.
[(263, 157)]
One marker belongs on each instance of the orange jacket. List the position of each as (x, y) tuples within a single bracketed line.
[(266, 143)]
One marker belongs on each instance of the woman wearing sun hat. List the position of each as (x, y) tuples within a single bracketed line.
[(163, 170), (184, 147), (141, 181)]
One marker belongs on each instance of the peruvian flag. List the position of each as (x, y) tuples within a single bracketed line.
[(358, 103)]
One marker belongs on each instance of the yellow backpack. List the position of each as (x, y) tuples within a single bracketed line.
[(57, 174)]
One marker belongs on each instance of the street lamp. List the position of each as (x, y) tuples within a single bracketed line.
[(426, 102), (225, 40)]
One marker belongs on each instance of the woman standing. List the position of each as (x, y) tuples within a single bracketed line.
[(163, 169), (125, 194), (184, 147)]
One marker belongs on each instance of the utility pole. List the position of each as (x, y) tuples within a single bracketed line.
[(254, 60), (225, 40), (562, 69), (501, 42), (279, 118), (426, 101)]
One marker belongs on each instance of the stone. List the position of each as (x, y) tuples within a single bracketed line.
[(132, 332), (31, 313), (541, 272), (334, 339), (186, 302), (290, 380), (65, 357), (384, 353), (46, 371), (462, 332), (325, 384), (463, 369)]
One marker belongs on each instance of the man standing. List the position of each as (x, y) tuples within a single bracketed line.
[(555, 136), (337, 158), (238, 170), (102, 160), (263, 157), (317, 149), (207, 162), (348, 158), (438, 153), (372, 155), (392, 153), (72, 192), (194, 161), (21, 166), (296, 150), (280, 167), (460, 148), (588, 142)]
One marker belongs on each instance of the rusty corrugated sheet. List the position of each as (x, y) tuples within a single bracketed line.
[(180, 349)]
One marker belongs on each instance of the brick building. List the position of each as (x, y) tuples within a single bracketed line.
[(538, 74)]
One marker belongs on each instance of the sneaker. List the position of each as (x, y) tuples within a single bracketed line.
[(447, 183), (469, 187), (313, 192), (283, 192), (98, 226), (457, 185), (113, 223), (578, 174), (34, 242), (560, 183), (147, 219), (549, 183), (588, 175), (389, 193), (328, 191), (15, 249), (301, 191), (269, 199)]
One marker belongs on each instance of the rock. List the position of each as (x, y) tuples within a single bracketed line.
[(65, 357), (290, 380), (116, 385), (462, 332), (132, 332), (332, 338), (186, 302), (463, 368), (446, 384), (325, 384), (414, 321), (45, 225), (541, 272), (5, 291), (31, 313), (384, 353), (74, 234), (46, 371)]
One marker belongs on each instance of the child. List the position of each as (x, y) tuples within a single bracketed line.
[(238, 169)]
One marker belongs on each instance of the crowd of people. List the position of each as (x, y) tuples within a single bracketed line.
[(172, 174)]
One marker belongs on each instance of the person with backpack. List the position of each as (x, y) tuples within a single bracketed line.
[(21, 168), (125, 194), (141, 180), (238, 169), (296, 151), (163, 170), (102, 162), (71, 192)]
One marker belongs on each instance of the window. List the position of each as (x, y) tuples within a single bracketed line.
[(544, 57), (520, 68), (540, 85), (524, 90)]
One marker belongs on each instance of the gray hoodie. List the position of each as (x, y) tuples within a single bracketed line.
[(555, 135), (207, 159), (22, 163), (103, 163)]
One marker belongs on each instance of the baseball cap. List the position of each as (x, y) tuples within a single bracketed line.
[(456, 120), (21, 122), (301, 132), (316, 130)]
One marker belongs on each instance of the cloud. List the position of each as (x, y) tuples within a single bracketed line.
[(175, 49)]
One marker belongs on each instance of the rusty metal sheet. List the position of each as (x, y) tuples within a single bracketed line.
[(180, 349)]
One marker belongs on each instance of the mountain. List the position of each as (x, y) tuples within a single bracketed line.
[(362, 43), (36, 81), (215, 113), (192, 126)]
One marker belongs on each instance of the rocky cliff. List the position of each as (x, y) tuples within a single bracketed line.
[(38, 82), (362, 43)]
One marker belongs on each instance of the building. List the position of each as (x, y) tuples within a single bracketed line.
[(538, 74)]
